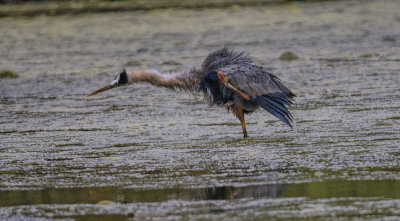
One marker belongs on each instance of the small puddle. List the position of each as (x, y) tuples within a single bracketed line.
[(93, 195)]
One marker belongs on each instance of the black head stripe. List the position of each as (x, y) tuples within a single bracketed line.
[(123, 78)]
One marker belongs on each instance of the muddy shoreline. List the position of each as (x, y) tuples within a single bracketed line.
[(141, 152)]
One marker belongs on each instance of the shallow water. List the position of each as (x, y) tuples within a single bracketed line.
[(148, 153)]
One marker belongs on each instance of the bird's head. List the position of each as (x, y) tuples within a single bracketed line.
[(120, 80), (223, 57)]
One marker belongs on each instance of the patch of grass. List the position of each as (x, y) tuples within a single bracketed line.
[(375, 169), (376, 133), (349, 172), (219, 124), (389, 38), (259, 140), (69, 144), (197, 172), (305, 121), (385, 139), (312, 105), (345, 58), (134, 63), (126, 145), (5, 73), (59, 159), (360, 109), (383, 124), (288, 56)]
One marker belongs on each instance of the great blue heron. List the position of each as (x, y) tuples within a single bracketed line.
[(227, 78)]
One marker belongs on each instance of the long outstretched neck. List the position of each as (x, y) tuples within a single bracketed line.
[(187, 80)]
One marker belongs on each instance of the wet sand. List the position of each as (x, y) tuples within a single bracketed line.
[(142, 152)]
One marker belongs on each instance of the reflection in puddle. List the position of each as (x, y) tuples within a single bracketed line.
[(93, 195)]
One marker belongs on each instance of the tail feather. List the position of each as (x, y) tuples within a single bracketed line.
[(280, 107), (281, 98), (275, 104)]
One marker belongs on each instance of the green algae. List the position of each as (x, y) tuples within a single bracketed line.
[(251, 140), (288, 56), (219, 124), (133, 63), (5, 73)]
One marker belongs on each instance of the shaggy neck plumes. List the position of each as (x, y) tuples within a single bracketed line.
[(187, 80)]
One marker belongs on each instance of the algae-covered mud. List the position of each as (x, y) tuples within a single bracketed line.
[(142, 152)]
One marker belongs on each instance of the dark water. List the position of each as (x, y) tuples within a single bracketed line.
[(148, 153), (126, 201), (314, 199), (93, 195)]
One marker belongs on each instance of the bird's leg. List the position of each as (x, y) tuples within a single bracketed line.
[(225, 81), (240, 115)]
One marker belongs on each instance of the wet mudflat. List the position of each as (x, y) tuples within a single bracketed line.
[(148, 153)]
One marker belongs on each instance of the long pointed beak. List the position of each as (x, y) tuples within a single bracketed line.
[(108, 87)]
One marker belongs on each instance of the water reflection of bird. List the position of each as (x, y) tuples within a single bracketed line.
[(227, 78)]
